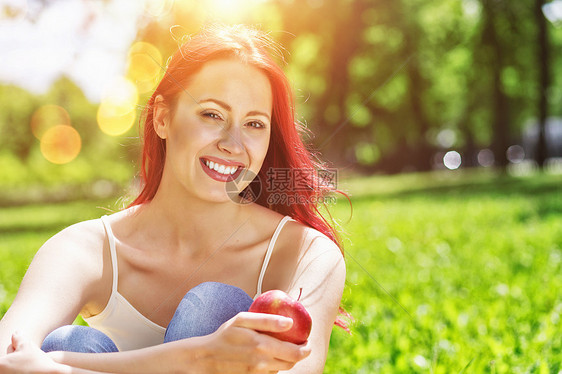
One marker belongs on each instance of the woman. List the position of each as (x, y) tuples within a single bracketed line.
[(181, 264)]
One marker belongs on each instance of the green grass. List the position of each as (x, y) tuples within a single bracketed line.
[(452, 273), (447, 273)]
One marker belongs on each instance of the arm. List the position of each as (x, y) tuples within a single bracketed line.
[(28, 358), (321, 275), (57, 284), (234, 348)]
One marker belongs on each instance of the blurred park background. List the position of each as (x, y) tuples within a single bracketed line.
[(443, 117)]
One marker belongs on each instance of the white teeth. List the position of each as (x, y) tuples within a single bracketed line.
[(227, 170)]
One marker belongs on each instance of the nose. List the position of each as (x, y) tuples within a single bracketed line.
[(231, 141)]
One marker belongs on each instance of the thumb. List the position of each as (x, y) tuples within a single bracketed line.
[(17, 341)]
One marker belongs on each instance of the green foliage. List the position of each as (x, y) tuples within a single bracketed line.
[(26, 176), (395, 74), (18, 106), (37, 180)]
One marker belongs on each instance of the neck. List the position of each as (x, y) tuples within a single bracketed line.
[(190, 224)]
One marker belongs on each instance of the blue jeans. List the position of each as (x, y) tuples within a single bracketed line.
[(201, 312)]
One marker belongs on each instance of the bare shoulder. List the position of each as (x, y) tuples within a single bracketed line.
[(78, 252), (80, 241), (308, 258), (322, 254), (313, 244), (63, 276), (87, 234)]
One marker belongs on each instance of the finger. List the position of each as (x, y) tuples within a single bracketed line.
[(280, 365), (265, 366), (285, 351), (262, 321), (17, 341), (306, 346), (238, 360)]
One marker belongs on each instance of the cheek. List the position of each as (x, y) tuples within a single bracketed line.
[(259, 148), (191, 137), (265, 149)]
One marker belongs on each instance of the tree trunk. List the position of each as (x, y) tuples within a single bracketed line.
[(336, 132), (470, 155), (543, 64), (423, 151), (500, 112)]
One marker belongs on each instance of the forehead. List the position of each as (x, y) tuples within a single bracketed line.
[(233, 82)]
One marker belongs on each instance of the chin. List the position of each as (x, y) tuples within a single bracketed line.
[(216, 197)]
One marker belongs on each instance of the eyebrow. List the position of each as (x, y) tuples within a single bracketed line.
[(229, 108)]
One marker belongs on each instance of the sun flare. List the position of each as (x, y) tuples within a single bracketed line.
[(231, 10)]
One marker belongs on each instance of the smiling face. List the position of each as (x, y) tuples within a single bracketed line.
[(219, 126)]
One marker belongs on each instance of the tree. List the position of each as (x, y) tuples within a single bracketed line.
[(15, 119), (495, 59), (543, 80)]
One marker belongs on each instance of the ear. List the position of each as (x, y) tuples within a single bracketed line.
[(160, 117)]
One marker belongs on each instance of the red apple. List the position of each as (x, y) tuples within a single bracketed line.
[(278, 302)]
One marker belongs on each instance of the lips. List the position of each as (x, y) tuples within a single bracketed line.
[(225, 168)]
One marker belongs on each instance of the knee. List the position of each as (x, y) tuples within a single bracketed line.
[(213, 297), (73, 338), (57, 339), (208, 288), (204, 308), (219, 292)]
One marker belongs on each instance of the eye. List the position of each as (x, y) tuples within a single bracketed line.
[(256, 124), (211, 115)]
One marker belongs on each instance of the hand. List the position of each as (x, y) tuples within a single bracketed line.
[(238, 347), (25, 357)]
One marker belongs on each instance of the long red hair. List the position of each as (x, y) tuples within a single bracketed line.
[(286, 148)]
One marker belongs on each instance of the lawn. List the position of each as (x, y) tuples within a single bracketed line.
[(452, 272), (447, 273)]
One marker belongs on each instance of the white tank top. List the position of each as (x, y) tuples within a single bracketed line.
[(125, 325)]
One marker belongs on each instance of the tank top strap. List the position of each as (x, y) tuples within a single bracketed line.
[(269, 251), (112, 251)]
